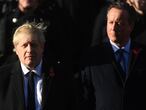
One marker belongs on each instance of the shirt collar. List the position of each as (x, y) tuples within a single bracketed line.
[(126, 47), (37, 69)]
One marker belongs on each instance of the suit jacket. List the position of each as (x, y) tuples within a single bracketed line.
[(105, 88), (55, 94)]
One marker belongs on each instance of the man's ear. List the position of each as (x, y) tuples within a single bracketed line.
[(14, 50)]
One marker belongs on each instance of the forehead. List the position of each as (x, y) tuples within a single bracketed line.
[(24, 37), (137, 1), (116, 12), (28, 0)]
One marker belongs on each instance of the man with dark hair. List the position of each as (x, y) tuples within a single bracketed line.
[(113, 73)]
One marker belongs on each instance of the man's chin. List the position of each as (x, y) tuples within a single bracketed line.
[(31, 65), (29, 62)]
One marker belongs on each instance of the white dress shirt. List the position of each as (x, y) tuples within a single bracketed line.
[(37, 82), (126, 51)]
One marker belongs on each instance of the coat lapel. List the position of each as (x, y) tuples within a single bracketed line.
[(48, 75), (135, 51), (17, 79), (18, 86), (116, 66), (113, 60)]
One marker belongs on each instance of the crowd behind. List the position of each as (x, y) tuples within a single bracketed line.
[(75, 33), (71, 26)]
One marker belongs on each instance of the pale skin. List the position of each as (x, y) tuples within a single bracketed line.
[(29, 50), (25, 5), (139, 5), (118, 26)]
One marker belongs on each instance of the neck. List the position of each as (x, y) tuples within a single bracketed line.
[(122, 43)]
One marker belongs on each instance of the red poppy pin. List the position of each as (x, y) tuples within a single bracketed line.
[(51, 72), (136, 51)]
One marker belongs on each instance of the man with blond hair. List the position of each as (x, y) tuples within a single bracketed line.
[(32, 83)]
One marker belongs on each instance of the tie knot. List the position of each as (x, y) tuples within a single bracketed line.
[(120, 54), (30, 75), (120, 50), (121, 58), (31, 72)]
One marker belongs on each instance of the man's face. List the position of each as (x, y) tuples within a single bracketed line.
[(118, 26), (29, 50), (26, 4)]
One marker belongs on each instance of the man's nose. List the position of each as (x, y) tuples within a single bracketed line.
[(115, 27), (29, 47)]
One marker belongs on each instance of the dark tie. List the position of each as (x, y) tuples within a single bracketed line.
[(31, 92), (121, 59)]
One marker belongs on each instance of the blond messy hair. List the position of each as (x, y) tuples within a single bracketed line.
[(30, 28)]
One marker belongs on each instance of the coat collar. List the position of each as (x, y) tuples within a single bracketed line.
[(17, 78), (135, 50), (48, 76)]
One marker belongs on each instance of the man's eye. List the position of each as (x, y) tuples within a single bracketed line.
[(24, 45), (33, 45), (110, 22)]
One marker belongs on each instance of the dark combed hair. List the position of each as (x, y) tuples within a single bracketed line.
[(132, 16)]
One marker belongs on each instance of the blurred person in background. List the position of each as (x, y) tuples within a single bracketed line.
[(57, 27), (139, 31)]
